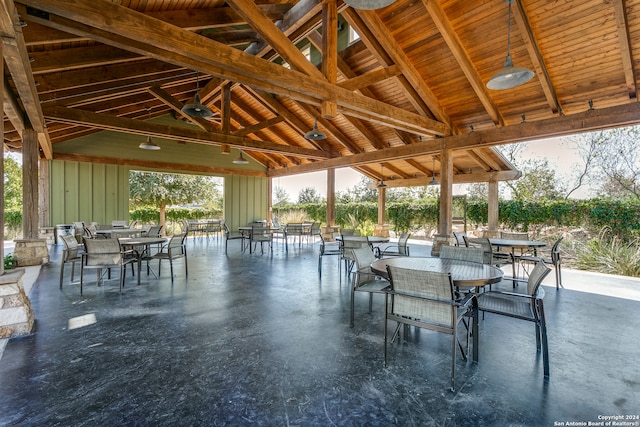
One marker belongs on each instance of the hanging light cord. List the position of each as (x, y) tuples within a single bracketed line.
[(509, 29)]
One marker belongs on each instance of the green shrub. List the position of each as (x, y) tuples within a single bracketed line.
[(609, 254)]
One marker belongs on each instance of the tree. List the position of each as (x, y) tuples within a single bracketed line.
[(12, 184), (309, 195), (538, 180), (162, 189), (281, 197), (358, 193), (617, 162)]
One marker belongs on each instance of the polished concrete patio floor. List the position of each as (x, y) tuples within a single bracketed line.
[(262, 340)]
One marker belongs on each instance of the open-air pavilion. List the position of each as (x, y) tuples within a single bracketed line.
[(402, 93)]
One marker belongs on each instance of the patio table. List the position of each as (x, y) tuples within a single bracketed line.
[(464, 274), (112, 233), (144, 243), (514, 244)]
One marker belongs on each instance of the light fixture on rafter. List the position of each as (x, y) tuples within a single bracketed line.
[(149, 144), (196, 108), (315, 134), (241, 160), (510, 76), (369, 4), (381, 184), (433, 181)]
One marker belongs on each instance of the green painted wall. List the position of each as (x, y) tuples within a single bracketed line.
[(246, 200), (88, 192), (83, 191)]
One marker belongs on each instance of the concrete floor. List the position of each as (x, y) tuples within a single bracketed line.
[(260, 340)]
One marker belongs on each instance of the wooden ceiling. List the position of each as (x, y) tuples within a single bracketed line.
[(413, 84)]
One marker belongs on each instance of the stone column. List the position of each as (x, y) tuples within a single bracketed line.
[(16, 314)]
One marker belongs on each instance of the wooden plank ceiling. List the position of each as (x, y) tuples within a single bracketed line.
[(414, 82)]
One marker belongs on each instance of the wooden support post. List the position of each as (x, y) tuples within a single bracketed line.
[(445, 218), (30, 150), (331, 197), (492, 214), (269, 200), (382, 205)]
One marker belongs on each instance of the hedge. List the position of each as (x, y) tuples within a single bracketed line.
[(621, 216)]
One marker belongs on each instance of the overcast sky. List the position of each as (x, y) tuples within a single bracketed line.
[(556, 150)]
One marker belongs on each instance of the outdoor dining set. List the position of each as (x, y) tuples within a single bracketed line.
[(117, 247), (443, 293)]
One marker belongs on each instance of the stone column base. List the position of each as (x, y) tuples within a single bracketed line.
[(31, 252), (16, 314), (438, 241)]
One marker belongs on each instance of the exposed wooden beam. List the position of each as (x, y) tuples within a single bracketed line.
[(12, 109), (371, 77), (17, 60), (540, 69), (374, 34), (178, 167), (139, 127), (466, 65), (329, 53), (463, 178), (122, 27), (258, 126), (215, 17), (592, 120), (274, 37), (619, 7), (176, 106)]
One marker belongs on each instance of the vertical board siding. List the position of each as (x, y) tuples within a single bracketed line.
[(88, 192), (100, 192), (245, 200)]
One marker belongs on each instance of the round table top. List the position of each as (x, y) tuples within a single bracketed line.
[(139, 241), (515, 243), (463, 273), (372, 239)]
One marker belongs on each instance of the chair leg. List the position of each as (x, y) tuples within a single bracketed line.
[(171, 268), (545, 344), (81, 277), (453, 360), (386, 305), (186, 267), (61, 273)]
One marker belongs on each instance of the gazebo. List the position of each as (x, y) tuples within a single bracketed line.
[(401, 93)]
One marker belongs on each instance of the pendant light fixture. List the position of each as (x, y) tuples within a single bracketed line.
[(315, 134), (149, 144), (369, 4), (510, 76), (433, 181), (196, 108), (241, 160), (381, 184)]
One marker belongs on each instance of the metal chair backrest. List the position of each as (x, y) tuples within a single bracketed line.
[(555, 251), (514, 235), (176, 244), (460, 238), (462, 253), (535, 278), (424, 295), (403, 249), (486, 247), (71, 247), (154, 231), (102, 252), (363, 256)]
